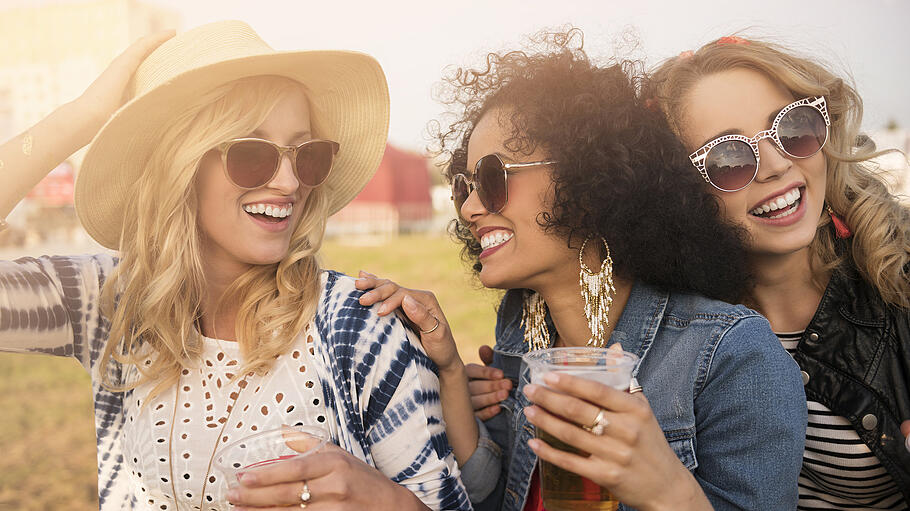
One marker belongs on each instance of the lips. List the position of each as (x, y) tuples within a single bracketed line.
[(492, 238)]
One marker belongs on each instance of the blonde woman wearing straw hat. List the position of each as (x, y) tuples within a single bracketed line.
[(213, 183)]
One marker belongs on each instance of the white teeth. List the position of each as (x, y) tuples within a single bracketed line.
[(779, 202), (494, 239), (270, 210)]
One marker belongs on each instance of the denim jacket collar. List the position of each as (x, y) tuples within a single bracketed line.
[(635, 330)]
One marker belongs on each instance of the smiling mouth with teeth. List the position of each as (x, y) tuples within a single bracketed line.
[(494, 239), (779, 207), (269, 212)]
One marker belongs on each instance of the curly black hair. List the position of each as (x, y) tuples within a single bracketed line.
[(622, 174)]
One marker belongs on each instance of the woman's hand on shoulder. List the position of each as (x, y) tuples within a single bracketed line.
[(334, 478), (107, 93), (421, 310), (631, 456), (487, 385)]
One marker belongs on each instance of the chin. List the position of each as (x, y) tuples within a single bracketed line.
[(266, 257)]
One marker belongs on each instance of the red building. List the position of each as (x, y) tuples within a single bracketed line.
[(396, 200)]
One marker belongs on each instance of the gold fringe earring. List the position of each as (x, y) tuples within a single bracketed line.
[(534, 321), (597, 289)]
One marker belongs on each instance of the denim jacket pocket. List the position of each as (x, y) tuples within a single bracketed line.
[(683, 445)]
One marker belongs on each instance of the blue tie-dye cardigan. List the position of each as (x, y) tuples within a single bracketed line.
[(381, 387)]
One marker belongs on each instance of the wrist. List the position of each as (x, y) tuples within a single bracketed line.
[(686, 495), (411, 501), (454, 372)]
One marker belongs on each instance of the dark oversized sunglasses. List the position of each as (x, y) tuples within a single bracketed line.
[(253, 162), (490, 179), (730, 163)]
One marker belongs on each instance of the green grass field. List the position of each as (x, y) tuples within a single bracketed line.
[(46, 426)]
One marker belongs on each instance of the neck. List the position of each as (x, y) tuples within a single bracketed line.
[(786, 291), (566, 306), (218, 318)]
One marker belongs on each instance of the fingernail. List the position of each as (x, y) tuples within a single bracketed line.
[(534, 443), (232, 495), (382, 309), (530, 389), (409, 302), (551, 378), (530, 412), (502, 395), (248, 479)]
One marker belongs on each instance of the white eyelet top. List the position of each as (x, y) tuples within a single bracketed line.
[(289, 394), (364, 377)]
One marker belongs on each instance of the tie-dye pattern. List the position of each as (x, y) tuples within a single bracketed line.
[(376, 379)]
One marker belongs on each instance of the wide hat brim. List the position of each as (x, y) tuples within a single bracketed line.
[(347, 88)]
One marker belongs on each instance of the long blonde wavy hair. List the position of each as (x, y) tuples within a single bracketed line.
[(154, 297), (880, 247)]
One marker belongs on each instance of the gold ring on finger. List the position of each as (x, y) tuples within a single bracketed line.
[(430, 331), (600, 422), (305, 495)]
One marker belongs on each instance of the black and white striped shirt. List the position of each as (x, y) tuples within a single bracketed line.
[(839, 471)]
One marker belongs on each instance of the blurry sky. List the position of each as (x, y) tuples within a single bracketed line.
[(415, 40)]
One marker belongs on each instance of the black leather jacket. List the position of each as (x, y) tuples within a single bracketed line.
[(855, 358)]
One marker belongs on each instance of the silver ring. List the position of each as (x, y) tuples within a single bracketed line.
[(430, 331), (600, 422), (634, 386), (305, 495)]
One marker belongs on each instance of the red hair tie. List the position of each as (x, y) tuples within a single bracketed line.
[(840, 227), (685, 54), (732, 39)]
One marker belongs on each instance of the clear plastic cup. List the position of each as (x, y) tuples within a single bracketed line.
[(268, 447), (562, 490), (612, 368)]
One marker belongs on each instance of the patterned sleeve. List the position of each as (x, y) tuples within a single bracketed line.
[(51, 305), (396, 390)]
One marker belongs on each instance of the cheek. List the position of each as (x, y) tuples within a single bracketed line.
[(216, 197), (727, 202)]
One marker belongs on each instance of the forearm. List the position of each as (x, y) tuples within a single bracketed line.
[(686, 495), (461, 428), (28, 157), (407, 501)]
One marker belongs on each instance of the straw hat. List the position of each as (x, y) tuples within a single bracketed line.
[(349, 88)]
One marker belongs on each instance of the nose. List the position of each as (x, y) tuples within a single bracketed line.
[(774, 162), (285, 180), (472, 209)]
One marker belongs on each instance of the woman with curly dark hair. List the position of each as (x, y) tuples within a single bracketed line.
[(557, 167)]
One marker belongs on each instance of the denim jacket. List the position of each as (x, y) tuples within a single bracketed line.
[(728, 397)]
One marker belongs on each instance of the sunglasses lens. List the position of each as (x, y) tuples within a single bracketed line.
[(460, 191), (802, 131), (314, 161), (731, 165), (251, 164), (491, 183)]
